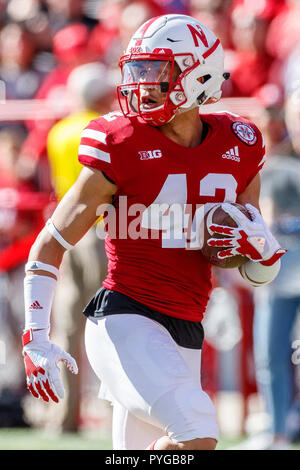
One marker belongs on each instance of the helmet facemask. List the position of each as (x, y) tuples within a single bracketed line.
[(146, 87)]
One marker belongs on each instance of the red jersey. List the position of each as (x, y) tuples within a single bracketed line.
[(166, 271)]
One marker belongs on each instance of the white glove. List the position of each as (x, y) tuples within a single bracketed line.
[(251, 238), (41, 358)]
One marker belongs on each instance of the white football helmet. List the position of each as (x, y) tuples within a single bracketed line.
[(159, 48)]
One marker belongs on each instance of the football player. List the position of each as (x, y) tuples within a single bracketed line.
[(144, 332)]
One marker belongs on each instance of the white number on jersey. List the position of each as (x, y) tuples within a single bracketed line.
[(171, 214)]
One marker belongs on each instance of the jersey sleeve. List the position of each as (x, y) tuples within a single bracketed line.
[(94, 150)]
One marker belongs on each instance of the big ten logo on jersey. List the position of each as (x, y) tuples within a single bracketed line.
[(149, 154)]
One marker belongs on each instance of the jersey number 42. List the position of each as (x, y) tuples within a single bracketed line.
[(182, 223)]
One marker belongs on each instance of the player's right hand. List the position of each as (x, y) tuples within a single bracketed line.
[(42, 372), (251, 237)]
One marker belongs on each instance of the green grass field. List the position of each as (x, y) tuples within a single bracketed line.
[(36, 439)]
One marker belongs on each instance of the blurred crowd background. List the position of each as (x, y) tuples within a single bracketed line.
[(58, 70)]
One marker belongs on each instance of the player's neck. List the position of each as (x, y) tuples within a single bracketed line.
[(185, 129)]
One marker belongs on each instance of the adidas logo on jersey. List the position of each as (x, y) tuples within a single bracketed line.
[(35, 306), (149, 154), (232, 154)]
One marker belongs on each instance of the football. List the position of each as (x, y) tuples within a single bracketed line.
[(220, 217)]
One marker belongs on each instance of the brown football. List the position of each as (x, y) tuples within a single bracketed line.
[(221, 217)]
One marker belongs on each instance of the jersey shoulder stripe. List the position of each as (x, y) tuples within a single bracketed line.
[(94, 134), (94, 152), (94, 149)]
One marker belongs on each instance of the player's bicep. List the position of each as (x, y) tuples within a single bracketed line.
[(251, 193)]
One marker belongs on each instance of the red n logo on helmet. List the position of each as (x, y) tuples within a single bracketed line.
[(198, 33)]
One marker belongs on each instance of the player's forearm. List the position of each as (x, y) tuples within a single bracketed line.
[(42, 271), (40, 281), (46, 250), (71, 220), (73, 217)]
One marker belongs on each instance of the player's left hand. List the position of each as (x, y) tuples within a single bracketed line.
[(251, 238)]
